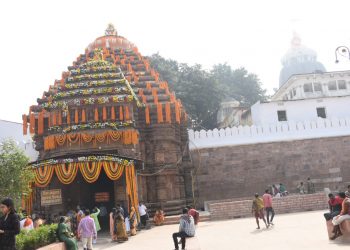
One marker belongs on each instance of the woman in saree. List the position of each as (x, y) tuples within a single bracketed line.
[(65, 235), (112, 226), (133, 221), (120, 227)]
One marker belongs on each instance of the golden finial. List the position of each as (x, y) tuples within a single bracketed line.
[(111, 31)]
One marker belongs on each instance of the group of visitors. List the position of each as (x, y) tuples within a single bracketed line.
[(262, 205), (278, 190), (339, 210), (187, 228), (310, 187)]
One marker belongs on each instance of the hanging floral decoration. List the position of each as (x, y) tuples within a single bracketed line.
[(89, 168), (129, 136), (94, 125)]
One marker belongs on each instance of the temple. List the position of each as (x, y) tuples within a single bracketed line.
[(109, 131)]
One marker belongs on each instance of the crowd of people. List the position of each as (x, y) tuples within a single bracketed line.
[(339, 210), (79, 225)]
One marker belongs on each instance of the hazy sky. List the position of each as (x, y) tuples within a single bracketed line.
[(39, 39)]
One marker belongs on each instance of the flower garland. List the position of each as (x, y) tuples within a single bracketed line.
[(93, 69), (127, 137), (92, 76), (87, 101), (91, 84), (98, 125), (92, 91), (66, 172), (90, 158)]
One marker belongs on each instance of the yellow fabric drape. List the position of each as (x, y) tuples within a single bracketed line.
[(131, 186)]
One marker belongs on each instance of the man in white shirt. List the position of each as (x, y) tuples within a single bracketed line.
[(143, 214)]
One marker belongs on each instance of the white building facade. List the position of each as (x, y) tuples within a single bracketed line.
[(14, 131)]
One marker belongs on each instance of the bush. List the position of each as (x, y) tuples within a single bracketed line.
[(34, 239)]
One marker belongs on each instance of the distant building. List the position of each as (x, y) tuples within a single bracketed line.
[(299, 60), (307, 97), (14, 130), (232, 114)]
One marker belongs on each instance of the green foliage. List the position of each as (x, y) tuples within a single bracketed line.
[(15, 175), (34, 239), (202, 91)]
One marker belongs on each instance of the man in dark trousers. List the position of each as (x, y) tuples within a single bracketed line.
[(186, 229)]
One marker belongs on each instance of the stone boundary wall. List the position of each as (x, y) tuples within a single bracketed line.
[(288, 204), (283, 131)]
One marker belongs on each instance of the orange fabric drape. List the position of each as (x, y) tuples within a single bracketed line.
[(121, 115), (134, 138), (167, 112), (96, 114), (76, 116), (127, 114), (83, 116), (155, 95), (54, 119), (160, 113), (25, 124), (41, 123), (68, 117), (104, 114), (112, 113), (147, 116), (59, 117), (177, 112), (32, 123)]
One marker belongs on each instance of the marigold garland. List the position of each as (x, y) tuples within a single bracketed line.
[(127, 137), (67, 172)]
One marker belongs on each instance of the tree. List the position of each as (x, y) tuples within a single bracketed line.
[(15, 175), (239, 84), (202, 91)]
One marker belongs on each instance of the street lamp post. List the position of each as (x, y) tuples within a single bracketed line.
[(342, 51)]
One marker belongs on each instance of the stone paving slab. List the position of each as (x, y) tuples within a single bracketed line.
[(291, 232)]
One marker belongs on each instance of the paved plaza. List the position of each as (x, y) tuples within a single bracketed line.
[(291, 231)]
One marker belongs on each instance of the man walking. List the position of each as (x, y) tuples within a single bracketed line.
[(267, 199), (143, 214), (186, 229), (87, 230), (258, 210)]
